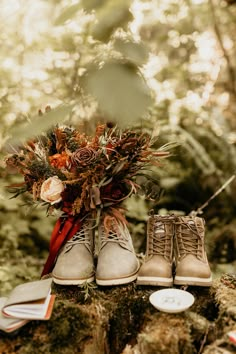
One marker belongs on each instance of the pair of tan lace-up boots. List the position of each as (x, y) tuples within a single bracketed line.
[(110, 261), (175, 252), (175, 246)]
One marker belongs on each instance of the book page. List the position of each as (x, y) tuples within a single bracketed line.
[(8, 324), (30, 311)]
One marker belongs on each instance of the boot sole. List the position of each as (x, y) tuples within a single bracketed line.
[(63, 281), (119, 281), (157, 281), (193, 281)]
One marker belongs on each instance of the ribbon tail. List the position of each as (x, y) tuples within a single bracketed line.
[(63, 231)]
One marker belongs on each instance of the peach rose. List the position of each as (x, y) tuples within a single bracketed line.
[(51, 190)]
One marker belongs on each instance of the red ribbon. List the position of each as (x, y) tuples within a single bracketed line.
[(64, 230)]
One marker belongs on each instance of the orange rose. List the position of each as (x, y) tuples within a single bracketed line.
[(60, 160)]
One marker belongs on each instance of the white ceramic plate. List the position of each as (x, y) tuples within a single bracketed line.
[(171, 300)]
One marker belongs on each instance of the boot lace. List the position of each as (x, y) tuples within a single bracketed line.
[(113, 236), (161, 240), (81, 237), (189, 239)]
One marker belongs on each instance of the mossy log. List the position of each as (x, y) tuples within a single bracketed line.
[(121, 319)]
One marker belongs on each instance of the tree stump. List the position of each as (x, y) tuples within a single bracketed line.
[(115, 320)]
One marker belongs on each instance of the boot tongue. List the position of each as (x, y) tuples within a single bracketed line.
[(160, 229)]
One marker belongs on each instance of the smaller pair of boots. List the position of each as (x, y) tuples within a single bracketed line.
[(175, 245), (116, 261)]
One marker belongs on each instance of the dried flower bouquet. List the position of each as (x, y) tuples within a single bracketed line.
[(81, 175)]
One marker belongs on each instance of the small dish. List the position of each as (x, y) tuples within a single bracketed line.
[(171, 300)]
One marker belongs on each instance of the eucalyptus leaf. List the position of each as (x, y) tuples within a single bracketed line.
[(38, 124), (135, 52), (120, 91), (115, 14), (67, 14)]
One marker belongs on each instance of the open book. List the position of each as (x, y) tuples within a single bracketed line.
[(28, 301), (8, 324)]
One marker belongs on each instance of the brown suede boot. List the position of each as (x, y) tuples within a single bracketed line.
[(157, 267), (192, 266)]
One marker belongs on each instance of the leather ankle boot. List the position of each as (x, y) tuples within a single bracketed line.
[(75, 262), (117, 261), (192, 266), (157, 267)]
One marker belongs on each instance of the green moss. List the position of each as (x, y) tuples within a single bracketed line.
[(121, 320), (126, 320), (166, 333), (71, 326)]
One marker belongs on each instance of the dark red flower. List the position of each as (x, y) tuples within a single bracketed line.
[(113, 191)]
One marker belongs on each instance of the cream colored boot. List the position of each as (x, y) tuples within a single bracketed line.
[(117, 261), (157, 267), (75, 262), (192, 266)]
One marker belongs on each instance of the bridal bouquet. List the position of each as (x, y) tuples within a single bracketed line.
[(65, 169)]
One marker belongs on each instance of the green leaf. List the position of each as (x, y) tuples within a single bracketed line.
[(89, 5), (120, 91), (38, 124), (67, 14), (135, 52), (115, 14)]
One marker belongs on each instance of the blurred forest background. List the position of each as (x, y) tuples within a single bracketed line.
[(166, 66)]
